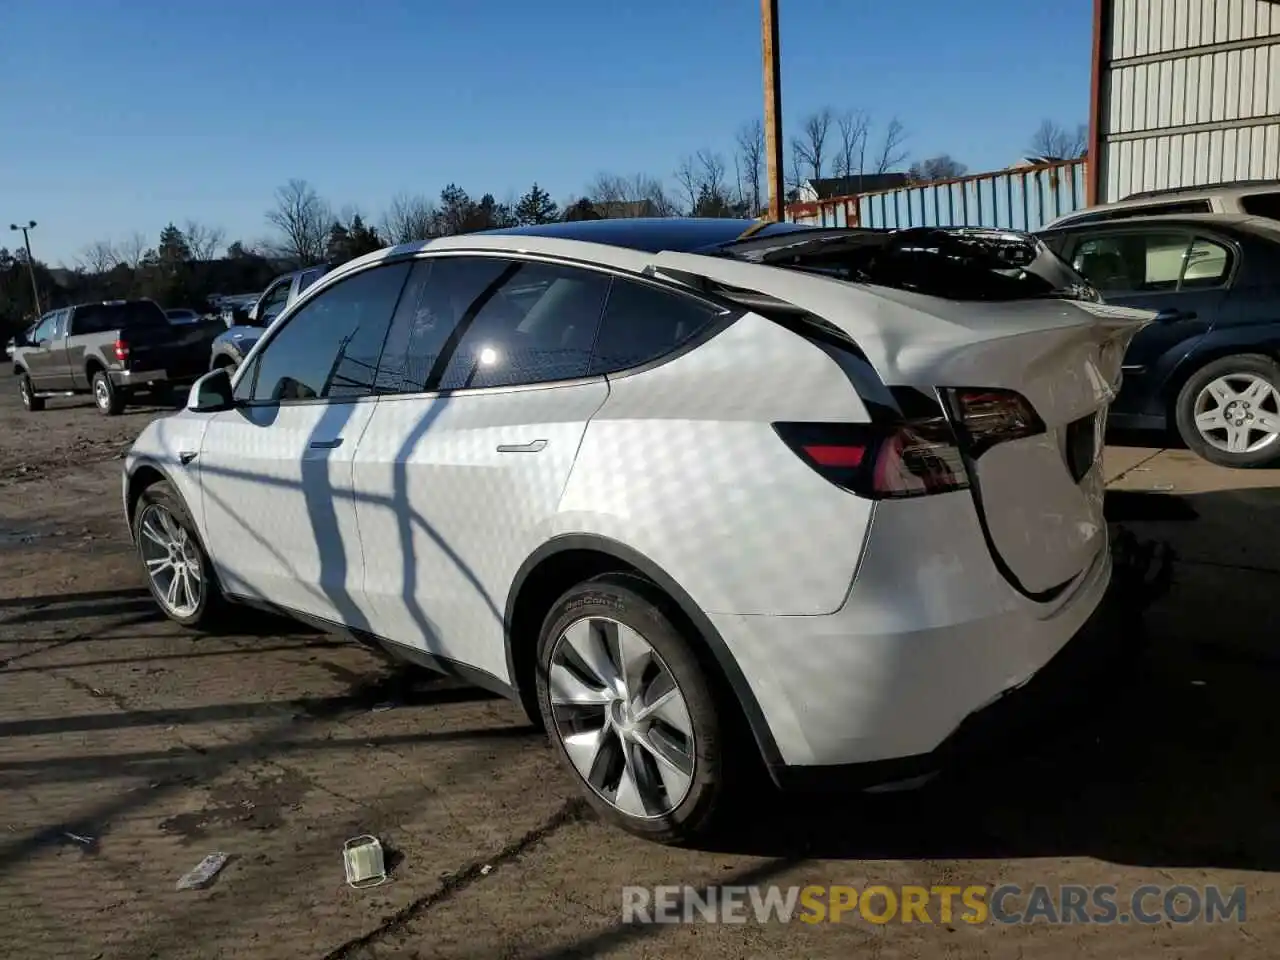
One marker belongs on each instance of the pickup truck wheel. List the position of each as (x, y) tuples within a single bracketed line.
[(178, 570), (30, 402), (108, 397)]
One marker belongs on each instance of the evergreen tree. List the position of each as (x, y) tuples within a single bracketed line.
[(536, 206)]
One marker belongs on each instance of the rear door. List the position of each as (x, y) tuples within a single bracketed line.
[(486, 394), (1182, 275)]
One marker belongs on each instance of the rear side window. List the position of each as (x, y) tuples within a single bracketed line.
[(643, 322), (1152, 262), (101, 317), (532, 323), (1262, 205)]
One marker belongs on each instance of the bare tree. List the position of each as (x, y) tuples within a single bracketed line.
[(133, 250), (98, 257), (748, 164), (1054, 142), (409, 218), (303, 220), (942, 167), (702, 179), (609, 191), (809, 148), (688, 178), (892, 152), (204, 241), (853, 126)]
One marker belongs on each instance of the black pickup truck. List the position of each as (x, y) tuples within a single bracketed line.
[(110, 350)]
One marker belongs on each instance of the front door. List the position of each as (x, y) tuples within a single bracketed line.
[(276, 471)]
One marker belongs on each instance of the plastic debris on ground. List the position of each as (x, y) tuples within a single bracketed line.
[(364, 862), (204, 872)]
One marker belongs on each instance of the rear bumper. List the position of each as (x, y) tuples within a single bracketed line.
[(1062, 684), (931, 635), (140, 378)]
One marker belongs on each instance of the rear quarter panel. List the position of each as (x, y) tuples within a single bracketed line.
[(683, 465)]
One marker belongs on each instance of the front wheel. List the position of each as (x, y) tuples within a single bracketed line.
[(30, 402), (108, 398), (177, 568), (631, 710), (1228, 412)]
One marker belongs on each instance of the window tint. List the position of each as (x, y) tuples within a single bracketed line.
[(308, 278), (1262, 205), (329, 348), (1207, 265), (1132, 261), (643, 322), (513, 322)]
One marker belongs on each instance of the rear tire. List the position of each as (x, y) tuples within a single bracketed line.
[(1228, 412), (599, 724), (163, 529), (109, 399), (30, 402)]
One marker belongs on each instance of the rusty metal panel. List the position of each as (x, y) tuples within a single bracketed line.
[(1018, 199)]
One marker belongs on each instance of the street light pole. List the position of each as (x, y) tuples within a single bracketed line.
[(772, 108), (31, 263)]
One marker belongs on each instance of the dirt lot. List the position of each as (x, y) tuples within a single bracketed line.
[(129, 750)]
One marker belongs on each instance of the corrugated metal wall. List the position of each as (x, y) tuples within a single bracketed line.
[(1190, 94), (1021, 199)]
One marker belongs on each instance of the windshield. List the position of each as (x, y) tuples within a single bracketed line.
[(956, 263)]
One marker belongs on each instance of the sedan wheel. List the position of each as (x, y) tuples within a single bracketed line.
[(633, 710), (1229, 412)]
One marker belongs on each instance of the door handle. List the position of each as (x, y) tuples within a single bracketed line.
[(326, 444), (1169, 316), (533, 446), (186, 456)]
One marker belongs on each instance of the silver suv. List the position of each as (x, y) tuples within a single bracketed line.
[(1257, 198)]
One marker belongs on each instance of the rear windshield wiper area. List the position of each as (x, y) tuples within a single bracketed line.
[(956, 263)]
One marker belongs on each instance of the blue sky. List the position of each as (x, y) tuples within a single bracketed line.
[(120, 116)]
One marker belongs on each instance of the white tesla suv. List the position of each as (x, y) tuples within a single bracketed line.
[(691, 494)]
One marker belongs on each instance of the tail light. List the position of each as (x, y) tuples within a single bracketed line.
[(909, 459), (916, 456), (985, 418), (122, 350)]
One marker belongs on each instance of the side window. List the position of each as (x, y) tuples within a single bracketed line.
[(1262, 205), (511, 322), (330, 348), (643, 322), (308, 278), (1132, 262), (44, 329), (273, 301), (1208, 264)]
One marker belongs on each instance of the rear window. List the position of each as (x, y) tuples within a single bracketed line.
[(101, 317), (1262, 205)]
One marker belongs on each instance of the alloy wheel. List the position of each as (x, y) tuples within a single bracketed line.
[(172, 561), (621, 717), (101, 393), (1238, 413)]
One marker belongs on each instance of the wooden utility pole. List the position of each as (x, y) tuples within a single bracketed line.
[(772, 108)]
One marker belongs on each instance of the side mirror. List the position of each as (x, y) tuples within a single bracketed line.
[(212, 392)]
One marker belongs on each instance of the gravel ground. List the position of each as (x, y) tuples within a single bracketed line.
[(130, 749)]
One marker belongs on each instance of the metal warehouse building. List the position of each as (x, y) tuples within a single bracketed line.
[(1185, 93)]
